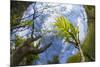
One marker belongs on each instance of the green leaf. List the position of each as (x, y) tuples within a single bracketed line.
[(65, 29), (19, 40), (26, 23)]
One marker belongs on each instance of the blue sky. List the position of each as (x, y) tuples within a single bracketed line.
[(75, 13)]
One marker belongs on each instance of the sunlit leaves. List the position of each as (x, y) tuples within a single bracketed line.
[(66, 29), (26, 23), (70, 33), (23, 24), (19, 40)]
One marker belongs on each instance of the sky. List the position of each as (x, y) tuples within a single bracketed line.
[(48, 12)]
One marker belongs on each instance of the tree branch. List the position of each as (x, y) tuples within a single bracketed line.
[(22, 51), (37, 51)]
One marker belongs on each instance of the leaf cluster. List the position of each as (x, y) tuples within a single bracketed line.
[(66, 29)]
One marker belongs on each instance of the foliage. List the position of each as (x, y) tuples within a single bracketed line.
[(66, 29), (17, 9), (70, 33), (88, 46), (26, 23), (19, 41)]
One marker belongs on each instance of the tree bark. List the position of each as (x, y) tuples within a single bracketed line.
[(19, 55), (25, 49)]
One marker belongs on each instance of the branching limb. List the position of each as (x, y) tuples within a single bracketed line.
[(22, 51)]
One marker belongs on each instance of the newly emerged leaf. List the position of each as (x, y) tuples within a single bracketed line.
[(66, 29)]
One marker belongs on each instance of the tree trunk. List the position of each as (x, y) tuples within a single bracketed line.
[(19, 55), (25, 49)]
